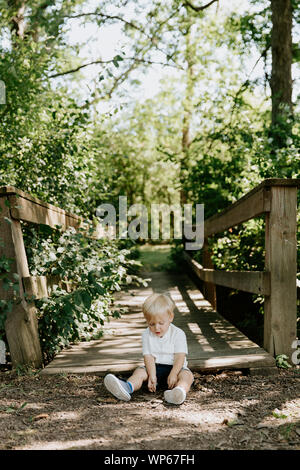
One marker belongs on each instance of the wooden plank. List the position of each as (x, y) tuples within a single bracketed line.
[(213, 364), (42, 286), (257, 282), (253, 204), (241, 361), (95, 369), (63, 364), (254, 350), (36, 286), (280, 318), (12, 191), (30, 211), (91, 360), (246, 208), (21, 323), (268, 182), (209, 286)]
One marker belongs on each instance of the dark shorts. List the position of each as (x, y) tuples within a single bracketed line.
[(162, 373)]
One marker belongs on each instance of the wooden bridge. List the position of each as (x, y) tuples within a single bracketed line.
[(213, 342)]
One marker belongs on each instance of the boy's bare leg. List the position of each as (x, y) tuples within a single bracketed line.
[(137, 378), (123, 390), (185, 380), (177, 394)]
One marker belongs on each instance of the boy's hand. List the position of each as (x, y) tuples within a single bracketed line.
[(152, 384), (172, 379)]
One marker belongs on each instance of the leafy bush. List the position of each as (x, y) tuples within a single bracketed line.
[(92, 270), (95, 269)]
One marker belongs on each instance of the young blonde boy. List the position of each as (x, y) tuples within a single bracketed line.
[(164, 351)]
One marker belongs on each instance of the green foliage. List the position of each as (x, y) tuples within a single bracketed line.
[(95, 270), (156, 257), (130, 160), (46, 145), (240, 248), (254, 26), (239, 158), (282, 362), (50, 156), (176, 254)]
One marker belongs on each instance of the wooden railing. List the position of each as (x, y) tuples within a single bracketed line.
[(21, 324), (277, 199)]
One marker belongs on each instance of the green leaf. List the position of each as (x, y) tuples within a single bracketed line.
[(87, 300), (68, 308), (23, 405), (279, 415), (10, 410)]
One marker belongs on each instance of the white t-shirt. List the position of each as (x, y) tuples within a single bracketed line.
[(163, 349)]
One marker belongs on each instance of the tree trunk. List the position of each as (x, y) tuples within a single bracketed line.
[(281, 80), (187, 108), (17, 21)]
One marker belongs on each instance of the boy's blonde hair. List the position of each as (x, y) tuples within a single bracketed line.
[(157, 304)]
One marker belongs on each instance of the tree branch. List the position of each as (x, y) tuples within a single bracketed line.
[(189, 4), (134, 59), (128, 23), (76, 69), (106, 17)]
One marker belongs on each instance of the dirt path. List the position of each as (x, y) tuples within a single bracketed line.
[(227, 410)]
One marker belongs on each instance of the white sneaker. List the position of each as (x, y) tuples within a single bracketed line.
[(114, 386), (176, 396)]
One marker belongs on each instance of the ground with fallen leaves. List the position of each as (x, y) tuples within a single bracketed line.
[(224, 410)]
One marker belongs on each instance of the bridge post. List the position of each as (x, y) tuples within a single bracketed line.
[(21, 323), (209, 289), (280, 316)]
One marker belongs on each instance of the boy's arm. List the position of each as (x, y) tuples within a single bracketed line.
[(177, 366), (151, 371)]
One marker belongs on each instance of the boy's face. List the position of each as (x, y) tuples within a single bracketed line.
[(159, 324)]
